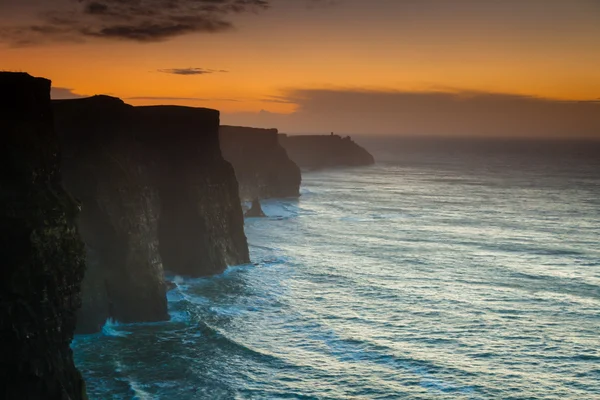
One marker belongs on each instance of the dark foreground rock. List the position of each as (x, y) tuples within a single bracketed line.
[(156, 194), (325, 151), (255, 211), (262, 167), (42, 254)]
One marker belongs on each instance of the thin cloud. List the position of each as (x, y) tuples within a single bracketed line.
[(60, 93), (161, 98), (191, 71), (311, 4), (278, 99)]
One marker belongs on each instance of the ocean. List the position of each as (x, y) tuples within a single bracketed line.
[(448, 270)]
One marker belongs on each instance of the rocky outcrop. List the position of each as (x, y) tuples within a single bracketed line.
[(42, 254), (255, 210), (156, 194), (325, 151), (262, 167)]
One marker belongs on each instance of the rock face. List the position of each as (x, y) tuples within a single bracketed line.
[(325, 151), (105, 168), (262, 166), (42, 254), (156, 195), (201, 228)]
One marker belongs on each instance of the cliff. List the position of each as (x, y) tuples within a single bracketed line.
[(262, 167), (104, 167), (156, 195), (325, 151), (201, 228), (42, 254)]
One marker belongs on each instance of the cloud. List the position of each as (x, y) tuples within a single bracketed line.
[(456, 113), (322, 3), (59, 93), (191, 71), (132, 20), (160, 98), (278, 99)]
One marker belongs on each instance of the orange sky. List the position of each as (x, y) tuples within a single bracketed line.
[(546, 48)]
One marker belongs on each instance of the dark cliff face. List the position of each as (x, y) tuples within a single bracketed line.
[(325, 151), (42, 254), (156, 194), (201, 228), (105, 167), (262, 166)]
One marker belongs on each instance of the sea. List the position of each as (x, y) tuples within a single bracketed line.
[(450, 269)]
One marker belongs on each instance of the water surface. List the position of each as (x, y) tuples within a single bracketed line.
[(443, 274)]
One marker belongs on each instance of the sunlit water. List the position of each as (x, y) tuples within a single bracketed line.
[(435, 278)]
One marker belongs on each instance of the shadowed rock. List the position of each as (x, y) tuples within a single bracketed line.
[(156, 194), (105, 167), (262, 167), (42, 254), (201, 228), (325, 151), (255, 211)]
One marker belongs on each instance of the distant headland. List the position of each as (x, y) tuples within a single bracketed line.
[(325, 151)]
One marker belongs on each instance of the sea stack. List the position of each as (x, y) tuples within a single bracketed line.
[(42, 254), (255, 210), (325, 151), (262, 167)]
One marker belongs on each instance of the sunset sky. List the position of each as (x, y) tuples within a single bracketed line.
[(513, 67)]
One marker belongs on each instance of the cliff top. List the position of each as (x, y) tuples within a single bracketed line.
[(102, 118), (8, 76), (108, 110), (107, 102), (246, 130), (97, 99), (95, 105), (177, 111), (23, 93), (317, 137)]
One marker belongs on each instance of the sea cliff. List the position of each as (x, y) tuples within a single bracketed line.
[(262, 167), (156, 195), (42, 253), (325, 151), (105, 168)]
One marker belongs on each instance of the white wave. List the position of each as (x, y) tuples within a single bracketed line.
[(139, 392), (179, 316), (110, 328)]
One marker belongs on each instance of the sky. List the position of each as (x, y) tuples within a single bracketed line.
[(407, 67)]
